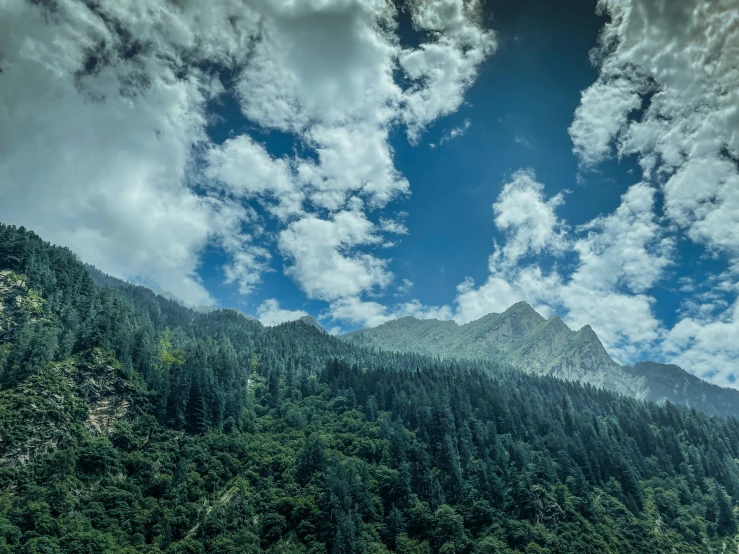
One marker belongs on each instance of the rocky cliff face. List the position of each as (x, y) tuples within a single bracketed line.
[(45, 410), (310, 320), (88, 393)]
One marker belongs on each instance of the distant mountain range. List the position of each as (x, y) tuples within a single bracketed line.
[(524, 339), (521, 337)]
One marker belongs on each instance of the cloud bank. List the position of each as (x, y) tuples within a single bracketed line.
[(105, 148)]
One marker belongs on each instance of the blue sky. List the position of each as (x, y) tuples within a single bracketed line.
[(360, 160)]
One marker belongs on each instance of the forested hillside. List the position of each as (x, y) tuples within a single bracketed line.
[(129, 423)]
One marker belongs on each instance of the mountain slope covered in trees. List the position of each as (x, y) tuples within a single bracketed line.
[(129, 423), (523, 339)]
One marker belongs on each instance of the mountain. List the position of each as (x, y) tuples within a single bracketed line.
[(671, 383), (519, 336), (309, 320), (522, 338), (132, 424)]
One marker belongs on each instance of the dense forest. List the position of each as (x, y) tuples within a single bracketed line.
[(129, 423)]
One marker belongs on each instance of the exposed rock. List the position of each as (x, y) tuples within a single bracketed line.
[(309, 320), (519, 336), (45, 409)]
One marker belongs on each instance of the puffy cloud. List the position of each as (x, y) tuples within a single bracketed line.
[(531, 226), (686, 137), (270, 313), (360, 312), (351, 158), (105, 108), (370, 314), (322, 259), (603, 111), (246, 170), (707, 345), (704, 339), (442, 70), (670, 96), (622, 256), (527, 218), (321, 62), (626, 248), (503, 289), (95, 145)]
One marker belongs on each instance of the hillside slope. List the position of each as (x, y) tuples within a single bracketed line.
[(131, 424)]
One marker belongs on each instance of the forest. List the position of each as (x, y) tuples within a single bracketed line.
[(131, 424)]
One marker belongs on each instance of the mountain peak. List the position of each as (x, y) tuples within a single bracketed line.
[(586, 332), (521, 307), (310, 320)]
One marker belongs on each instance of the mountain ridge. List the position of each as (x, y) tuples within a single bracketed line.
[(524, 339), (129, 423)]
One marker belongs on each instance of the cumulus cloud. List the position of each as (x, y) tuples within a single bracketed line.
[(105, 109), (686, 137), (95, 146), (370, 314), (670, 96), (707, 345), (444, 68), (270, 313), (246, 170), (323, 261), (529, 221)]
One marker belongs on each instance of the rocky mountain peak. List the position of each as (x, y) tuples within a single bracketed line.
[(310, 320)]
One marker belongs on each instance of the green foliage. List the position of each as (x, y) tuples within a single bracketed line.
[(129, 423)]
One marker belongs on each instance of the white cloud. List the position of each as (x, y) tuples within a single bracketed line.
[(686, 138), (104, 148), (393, 226), (370, 314), (94, 162), (360, 312), (323, 261), (706, 344), (270, 313), (626, 248), (503, 289), (531, 227), (604, 109), (351, 158), (528, 220), (682, 73), (248, 171), (406, 287), (453, 133), (621, 258), (444, 69)]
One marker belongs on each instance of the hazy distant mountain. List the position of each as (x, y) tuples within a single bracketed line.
[(668, 382), (522, 338), (519, 336)]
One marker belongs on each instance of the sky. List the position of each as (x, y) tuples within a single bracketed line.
[(362, 160)]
